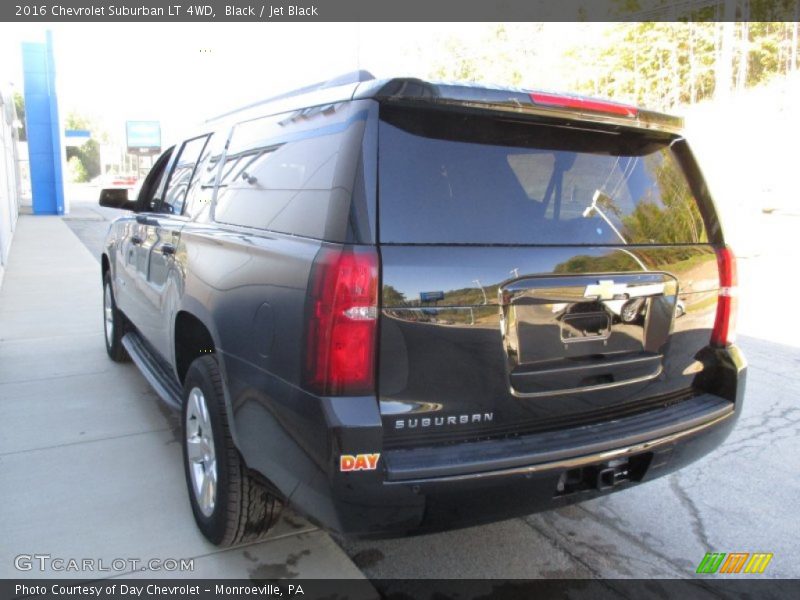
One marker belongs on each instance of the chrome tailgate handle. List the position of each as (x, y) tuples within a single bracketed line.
[(583, 332)]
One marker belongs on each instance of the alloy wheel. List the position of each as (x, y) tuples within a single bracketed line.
[(108, 314), (200, 452)]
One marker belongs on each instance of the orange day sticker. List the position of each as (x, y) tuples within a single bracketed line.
[(359, 462)]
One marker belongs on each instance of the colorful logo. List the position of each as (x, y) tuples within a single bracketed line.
[(359, 462), (734, 562)]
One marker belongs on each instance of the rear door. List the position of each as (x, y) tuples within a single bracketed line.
[(161, 231), (531, 273)]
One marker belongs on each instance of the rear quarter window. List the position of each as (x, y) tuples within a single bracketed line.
[(452, 178), (292, 173), (201, 191)]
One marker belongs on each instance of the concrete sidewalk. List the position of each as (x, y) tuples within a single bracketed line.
[(90, 462)]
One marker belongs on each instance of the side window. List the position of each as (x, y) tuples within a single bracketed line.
[(291, 173), (153, 187), (182, 172), (201, 188)]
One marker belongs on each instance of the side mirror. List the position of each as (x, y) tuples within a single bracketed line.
[(116, 198)]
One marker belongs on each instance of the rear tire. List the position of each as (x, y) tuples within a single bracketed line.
[(113, 323), (230, 506)]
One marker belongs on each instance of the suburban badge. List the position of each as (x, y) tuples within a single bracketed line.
[(425, 422)]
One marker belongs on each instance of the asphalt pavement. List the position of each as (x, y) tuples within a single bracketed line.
[(740, 498)]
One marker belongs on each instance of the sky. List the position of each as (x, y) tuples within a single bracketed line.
[(182, 74)]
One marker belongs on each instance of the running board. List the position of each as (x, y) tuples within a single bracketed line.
[(157, 374)]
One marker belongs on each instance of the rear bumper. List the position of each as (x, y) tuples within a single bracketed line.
[(568, 448), (455, 485)]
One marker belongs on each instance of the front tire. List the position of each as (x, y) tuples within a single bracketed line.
[(113, 323), (230, 506)]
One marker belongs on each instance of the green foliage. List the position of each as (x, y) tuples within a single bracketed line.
[(659, 65), (89, 153), (76, 121), (76, 170), (652, 64), (496, 58), (773, 10), (90, 157), (393, 297), (607, 263), (19, 107), (675, 219)]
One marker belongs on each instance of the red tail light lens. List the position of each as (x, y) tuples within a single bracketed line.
[(600, 106), (343, 322), (724, 332)]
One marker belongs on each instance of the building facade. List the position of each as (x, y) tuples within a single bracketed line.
[(9, 176)]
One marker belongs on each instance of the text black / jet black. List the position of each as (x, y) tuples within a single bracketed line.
[(403, 306)]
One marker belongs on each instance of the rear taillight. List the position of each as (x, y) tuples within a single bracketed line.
[(342, 324), (590, 104), (724, 332)]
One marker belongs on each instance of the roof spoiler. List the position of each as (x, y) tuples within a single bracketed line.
[(522, 101)]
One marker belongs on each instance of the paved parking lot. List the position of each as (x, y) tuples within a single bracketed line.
[(85, 452)]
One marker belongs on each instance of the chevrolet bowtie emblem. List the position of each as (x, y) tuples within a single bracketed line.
[(605, 289)]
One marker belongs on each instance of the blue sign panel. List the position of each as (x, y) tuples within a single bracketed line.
[(143, 135), (431, 296)]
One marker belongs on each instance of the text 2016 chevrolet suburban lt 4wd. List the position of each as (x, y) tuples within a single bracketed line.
[(402, 306)]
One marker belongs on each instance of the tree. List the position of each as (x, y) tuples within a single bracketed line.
[(660, 65), (77, 172), (89, 152), (19, 107), (505, 54), (90, 157), (654, 64), (392, 296)]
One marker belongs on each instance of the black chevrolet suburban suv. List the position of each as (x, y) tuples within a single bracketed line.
[(403, 306)]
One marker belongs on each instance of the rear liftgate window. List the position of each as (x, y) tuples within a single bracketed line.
[(448, 178)]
